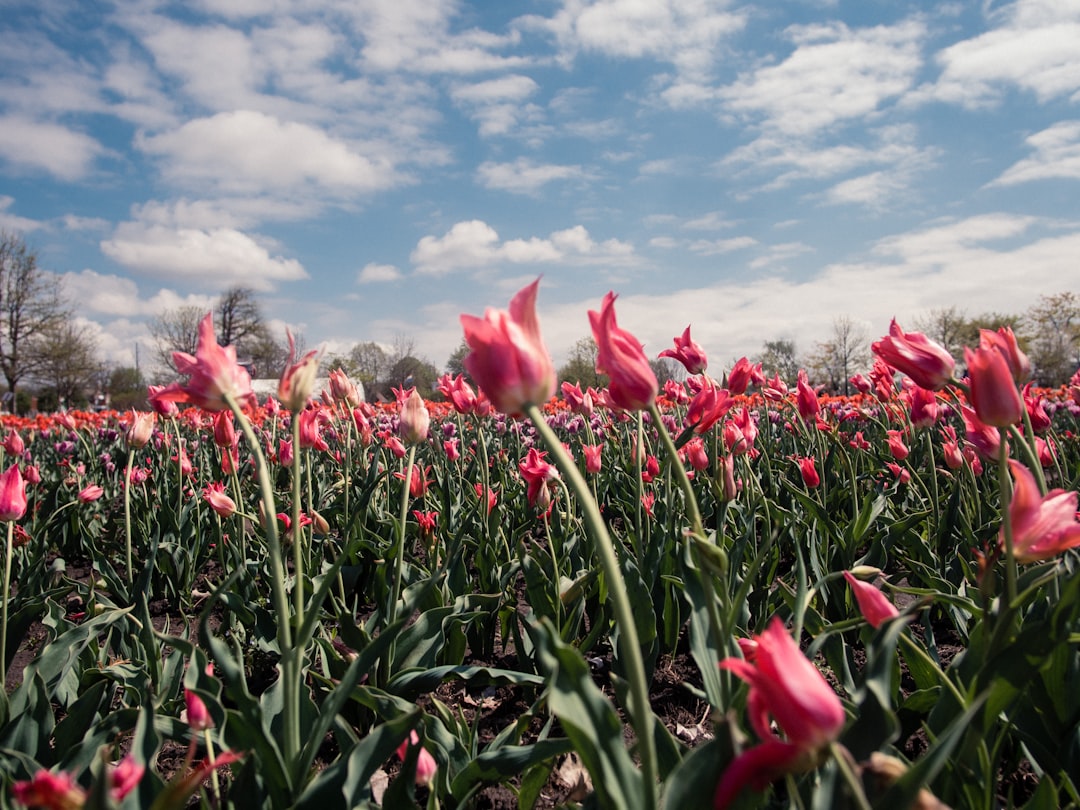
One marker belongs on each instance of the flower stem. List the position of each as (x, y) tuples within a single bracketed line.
[(8, 551), (1005, 488), (399, 554), (630, 648)]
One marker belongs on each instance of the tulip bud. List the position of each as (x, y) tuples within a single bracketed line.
[(414, 419)]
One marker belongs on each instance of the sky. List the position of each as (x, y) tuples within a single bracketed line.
[(374, 168)]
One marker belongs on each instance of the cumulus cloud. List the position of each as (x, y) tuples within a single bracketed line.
[(216, 257), (717, 247), (374, 273), (835, 74), (13, 222), (103, 294), (474, 245), (497, 104), (523, 176), (38, 146), (1056, 154), (246, 151)]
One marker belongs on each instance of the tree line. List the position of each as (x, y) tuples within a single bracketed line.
[(50, 360)]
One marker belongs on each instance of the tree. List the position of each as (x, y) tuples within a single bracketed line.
[(176, 330), (834, 361), (947, 326), (410, 372), (580, 366), (126, 388), (455, 365), (667, 369), (30, 306), (778, 356), (368, 363), (239, 321), (67, 362), (1053, 324)]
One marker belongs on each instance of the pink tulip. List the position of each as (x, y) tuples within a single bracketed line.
[(414, 419), (1042, 526), (224, 429), (508, 359), (743, 374), (593, 460), (426, 766), (90, 493), (632, 384), (915, 355), (873, 604), (13, 444), (993, 392), (785, 685), (897, 447), (212, 374), (687, 352), (198, 716), (806, 399), (159, 398), (808, 470), (125, 777), (12, 494), (55, 791), (214, 494), (297, 379), (577, 401), (924, 407), (1005, 342), (342, 389), (696, 454), (140, 430)]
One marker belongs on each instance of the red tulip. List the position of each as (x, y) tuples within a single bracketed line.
[(632, 384), (12, 494), (785, 685), (687, 352), (914, 354), (508, 359), (897, 447), (56, 791), (593, 460), (742, 374), (1005, 342), (1042, 526), (993, 394), (806, 399), (198, 716), (924, 407), (808, 469), (873, 604)]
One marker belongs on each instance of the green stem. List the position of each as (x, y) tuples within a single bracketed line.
[(290, 669), (1005, 488), (843, 764), (630, 648), (297, 532), (8, 551), (127, 519), (696, 525), (399, 554)]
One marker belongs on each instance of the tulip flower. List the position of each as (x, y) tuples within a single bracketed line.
[(212, 373), (993, 392), (806, 399), (808, 470), (298, 377), (12, 494), (915, 355), (537, 473), (985, 439), (784, 684), (1004, 341), (56, 791), (342, 389), (425, 762), (696, 454), (1042, 526), (708, 406), (593, 460), (90, 493), (742, 374), (224, 429), (897, 447), (729, 489), (632, 384), (140, 430), (689, 353), (577, 401), (13, 443), (414, 419), (924, 408), (508, 358), (198, 716), (214, 494), (873, 604)]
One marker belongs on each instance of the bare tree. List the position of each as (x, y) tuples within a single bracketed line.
[(947, 326), (1053, 325), (778, 356), (239, 319), (834, 361), (176, 330), (580, 366), (31, 304)]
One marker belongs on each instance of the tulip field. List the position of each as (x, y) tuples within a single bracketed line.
[(729, 591)]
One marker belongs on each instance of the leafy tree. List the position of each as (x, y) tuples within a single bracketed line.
[(367, 363), (1053, 324), (580, 366), (410, 372), (31, 305), (947, 326), (455, 365), (778, 356), (126, 388)]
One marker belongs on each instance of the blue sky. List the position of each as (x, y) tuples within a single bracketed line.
[(376, 167)]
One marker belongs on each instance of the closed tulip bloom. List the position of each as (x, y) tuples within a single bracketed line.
[(806, 399), (696, 453), (632, 384), (743, 374), (873, 604), (786, 686), (342, 389), (14, 444), (985, 439), (993, 392), (297, 379), (55, 791), (915, 355), (141, 429), (808, 470), (924, 407), (426, 766), (224, 429), (198, 716), (1042, 526), (90, 493), (897, 447), (687, 352), (1005, 342), (12, 494), (593, 460), (213, 374), (414, 419), (508, 358), (222, 504)]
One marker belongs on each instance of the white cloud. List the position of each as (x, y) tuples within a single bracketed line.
[(217, 257), (475, 245), (374, 273), (497, 104), (712, 221), (42, 146), (1056, 155), (717, 247), (246, 151), (111, 295), (778, 254), (835, 75), (523, 176), (1035, 48), (14, 222)]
